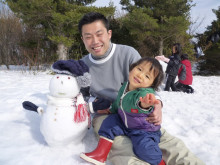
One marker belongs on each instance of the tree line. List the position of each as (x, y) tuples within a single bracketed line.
[(42, 31), (210, 43)]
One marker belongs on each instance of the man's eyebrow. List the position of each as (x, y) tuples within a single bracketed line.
[(87, 34), (99, 31)]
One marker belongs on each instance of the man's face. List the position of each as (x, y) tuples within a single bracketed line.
[(96, 38)]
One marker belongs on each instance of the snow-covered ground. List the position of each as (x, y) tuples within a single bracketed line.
[(194, 118)]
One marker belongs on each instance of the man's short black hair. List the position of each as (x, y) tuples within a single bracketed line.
[(92, 17)]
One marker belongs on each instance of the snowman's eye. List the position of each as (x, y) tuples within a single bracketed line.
[(68, 77), (57, 77)]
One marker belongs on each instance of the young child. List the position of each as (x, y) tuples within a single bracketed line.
[(135, 101)]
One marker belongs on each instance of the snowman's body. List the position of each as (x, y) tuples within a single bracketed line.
[(59, 123)]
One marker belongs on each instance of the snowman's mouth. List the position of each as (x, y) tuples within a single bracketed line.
[(61, 94)]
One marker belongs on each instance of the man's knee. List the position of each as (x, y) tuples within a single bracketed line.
[(97, 122), (122, 152)]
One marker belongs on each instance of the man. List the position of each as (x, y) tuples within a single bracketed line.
[(109, 67)]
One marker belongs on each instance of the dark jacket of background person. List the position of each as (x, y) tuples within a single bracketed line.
[(173, 67), (185, 72)]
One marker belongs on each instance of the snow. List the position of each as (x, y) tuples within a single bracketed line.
[(194, 118)]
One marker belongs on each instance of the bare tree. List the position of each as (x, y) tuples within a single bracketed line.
[(195, 25), (10, 34)]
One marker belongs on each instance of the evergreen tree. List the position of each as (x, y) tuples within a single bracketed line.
[(210, 41), (161, 20), (58, 19)]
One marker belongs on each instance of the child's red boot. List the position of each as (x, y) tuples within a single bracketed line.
[(99, 155), (162, 162)]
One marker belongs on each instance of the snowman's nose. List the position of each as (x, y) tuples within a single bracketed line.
[(62, 82)]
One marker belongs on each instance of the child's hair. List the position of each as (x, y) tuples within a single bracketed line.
[(92, 17), (177, 48), (156, 67)]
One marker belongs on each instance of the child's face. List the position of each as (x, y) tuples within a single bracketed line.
[(141, 77)]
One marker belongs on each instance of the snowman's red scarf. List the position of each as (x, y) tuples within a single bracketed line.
[(81, 113)]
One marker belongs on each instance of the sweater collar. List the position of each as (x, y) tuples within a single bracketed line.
[(105, 57)]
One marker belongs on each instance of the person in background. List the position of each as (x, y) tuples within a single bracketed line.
[(135, 101), (185, 75), (109, 67), (173, 67)]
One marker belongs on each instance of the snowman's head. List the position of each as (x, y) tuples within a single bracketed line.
[(64, 86), (73, 68)]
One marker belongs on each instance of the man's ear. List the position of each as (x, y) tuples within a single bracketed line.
[(110, 34)]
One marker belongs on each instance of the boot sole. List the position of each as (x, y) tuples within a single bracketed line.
[(88, 159)]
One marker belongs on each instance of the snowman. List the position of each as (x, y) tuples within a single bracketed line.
[(66, 119)]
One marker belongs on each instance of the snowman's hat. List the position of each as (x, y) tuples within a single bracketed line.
[(74, 68)]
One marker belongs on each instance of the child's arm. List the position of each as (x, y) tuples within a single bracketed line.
[(148, 100)]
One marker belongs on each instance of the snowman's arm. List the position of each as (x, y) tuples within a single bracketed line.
[(40, 110), (32, 107), (29, 106)]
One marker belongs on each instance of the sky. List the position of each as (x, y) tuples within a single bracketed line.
[(194, 118), (201, 12)]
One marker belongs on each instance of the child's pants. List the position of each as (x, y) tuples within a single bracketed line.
[(145, 144)]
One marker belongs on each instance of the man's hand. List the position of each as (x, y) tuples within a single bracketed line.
[(156, 116), (104, 111), (101, 104)]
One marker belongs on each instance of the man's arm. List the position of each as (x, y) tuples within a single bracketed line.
[(156, 116), (94, 103)]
